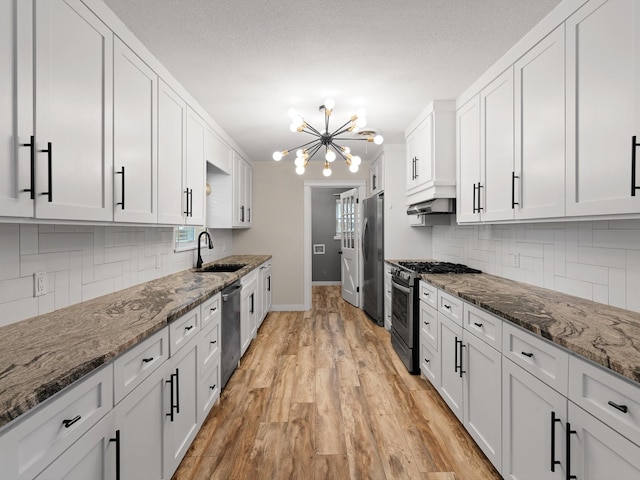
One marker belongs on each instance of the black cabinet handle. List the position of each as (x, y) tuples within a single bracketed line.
[(188, 328), (49, 151), (455, 355), (252, 305), (474, 198), (568, 439), (634, 145), (213, 342), (117, 440), (415, 168), (121, 172), (479, 187), (427, 360), (527, 354), (212, 387), (32, 161), (554, 462), (479, 325), (426, 323), (374, 182), (249, 215), (68, 423), (186, 212), (173, 405), (242, 213), (513, 190), (214, 309), (448, 307), (622, 408), (191, 202), (269, 283), (177, 390), (147, 360), (462, 345)]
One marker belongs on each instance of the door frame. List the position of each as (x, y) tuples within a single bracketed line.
[(308, 185)]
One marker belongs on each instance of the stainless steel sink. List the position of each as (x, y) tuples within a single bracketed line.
[(221, 268)]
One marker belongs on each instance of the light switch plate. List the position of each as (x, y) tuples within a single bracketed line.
[(39, 284)]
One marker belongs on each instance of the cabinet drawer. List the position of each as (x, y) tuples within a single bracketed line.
[(541, 358), (209, 348), (52, 427), (131, 368), (183, 329), (450, 307), (210, 310), (208, 390), (485, 326), (430, 364), (598, 391), (428, 325), (429, 294)]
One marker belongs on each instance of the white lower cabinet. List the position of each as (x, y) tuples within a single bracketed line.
[(264, 292), (248, 315), (450, 337), (533, 430), (93, 456)]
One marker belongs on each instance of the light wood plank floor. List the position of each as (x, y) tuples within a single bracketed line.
[(322, 395)]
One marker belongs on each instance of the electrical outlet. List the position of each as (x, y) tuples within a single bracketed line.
[(39, 284), (157, 261)]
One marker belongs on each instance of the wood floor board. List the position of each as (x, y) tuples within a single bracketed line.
[(322, 395)]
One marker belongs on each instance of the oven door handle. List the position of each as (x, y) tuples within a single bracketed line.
[(402, 288)]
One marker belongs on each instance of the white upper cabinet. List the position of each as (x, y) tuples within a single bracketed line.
[(194, 176), (496, 149), (242, 192), (603, 107), (540, 136), (16, 124), (134, 137), (430, 163), (73, 112), (468, 160), (217, 152), (172, 117)]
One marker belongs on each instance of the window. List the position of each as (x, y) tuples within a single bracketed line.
[(186, 238)]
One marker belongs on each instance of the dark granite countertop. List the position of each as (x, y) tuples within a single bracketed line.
[(606, 335), (42, 355)]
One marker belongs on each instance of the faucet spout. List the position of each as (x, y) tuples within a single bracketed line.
[(199, 262)]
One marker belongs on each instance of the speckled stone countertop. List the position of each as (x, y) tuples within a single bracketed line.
[(42, 355), (606, 335)]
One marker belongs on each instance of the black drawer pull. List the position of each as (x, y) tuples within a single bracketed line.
[(622, 408), (426, 294), (527, 354), (427, 360), (188, 328), (479, 325), (213, 342), (448, 307), (68, 423), (426, 323), (147, 360), (212, 387), (214, 309)]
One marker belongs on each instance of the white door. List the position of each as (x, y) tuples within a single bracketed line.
[(73, 113), (349, 245)]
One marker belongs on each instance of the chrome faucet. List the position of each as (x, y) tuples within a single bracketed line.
[(199, 262)]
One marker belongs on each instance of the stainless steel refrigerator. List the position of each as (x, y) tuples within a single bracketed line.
[(373, 257)]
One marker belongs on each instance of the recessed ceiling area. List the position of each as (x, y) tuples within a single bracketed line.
[(248, 62)]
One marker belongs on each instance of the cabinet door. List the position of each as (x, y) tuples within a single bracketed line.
[(540, 133), (217, 152), (599, 452), (420, 156), (140, 417), (468, 158), (603, 107), (16, 124), (248, 193), (248, 325), (172, 114), (482, 396), (92, 456), (375, 176), (450, 378), (240, 207), (531, 440), (412, 152), (183, 425), (496, 104), (195, 168), (134, 137), (73, 112)]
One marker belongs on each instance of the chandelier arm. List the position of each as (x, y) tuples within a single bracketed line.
[(311, 130), (304, 145), (346, 138), (338, 132), (316, 148), (338, 151)]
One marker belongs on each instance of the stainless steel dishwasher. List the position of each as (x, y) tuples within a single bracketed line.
[(230, 330)]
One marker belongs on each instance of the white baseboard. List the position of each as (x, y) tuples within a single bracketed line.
[(327, 283), (287, 308)]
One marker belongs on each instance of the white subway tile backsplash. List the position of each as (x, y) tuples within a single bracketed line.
[(83, 262), (598, 260)]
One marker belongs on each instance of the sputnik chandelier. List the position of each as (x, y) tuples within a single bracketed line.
[(325, 139)]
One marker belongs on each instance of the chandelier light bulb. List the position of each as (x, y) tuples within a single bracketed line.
[(300, 170), (361, 122), (299, 162), (346, 150), (277, 156), (329, 103), (378, 139), (330, 156), (293, 128), (298, 121), (356, 160), (353, 168), (327, 171)]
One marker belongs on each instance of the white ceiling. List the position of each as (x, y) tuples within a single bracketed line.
[(248, 62)]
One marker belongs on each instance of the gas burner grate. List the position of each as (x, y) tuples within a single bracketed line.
[(437, 267)]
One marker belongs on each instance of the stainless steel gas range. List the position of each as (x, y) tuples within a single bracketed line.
[(404, 306)]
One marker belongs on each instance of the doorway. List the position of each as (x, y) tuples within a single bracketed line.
[(309, 185)]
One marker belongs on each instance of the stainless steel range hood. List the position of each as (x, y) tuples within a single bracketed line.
[(437, 205)]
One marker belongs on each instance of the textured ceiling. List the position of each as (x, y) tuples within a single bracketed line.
[(248, 62)]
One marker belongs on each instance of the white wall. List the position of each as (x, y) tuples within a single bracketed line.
[(84, 262), (598, 260)]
